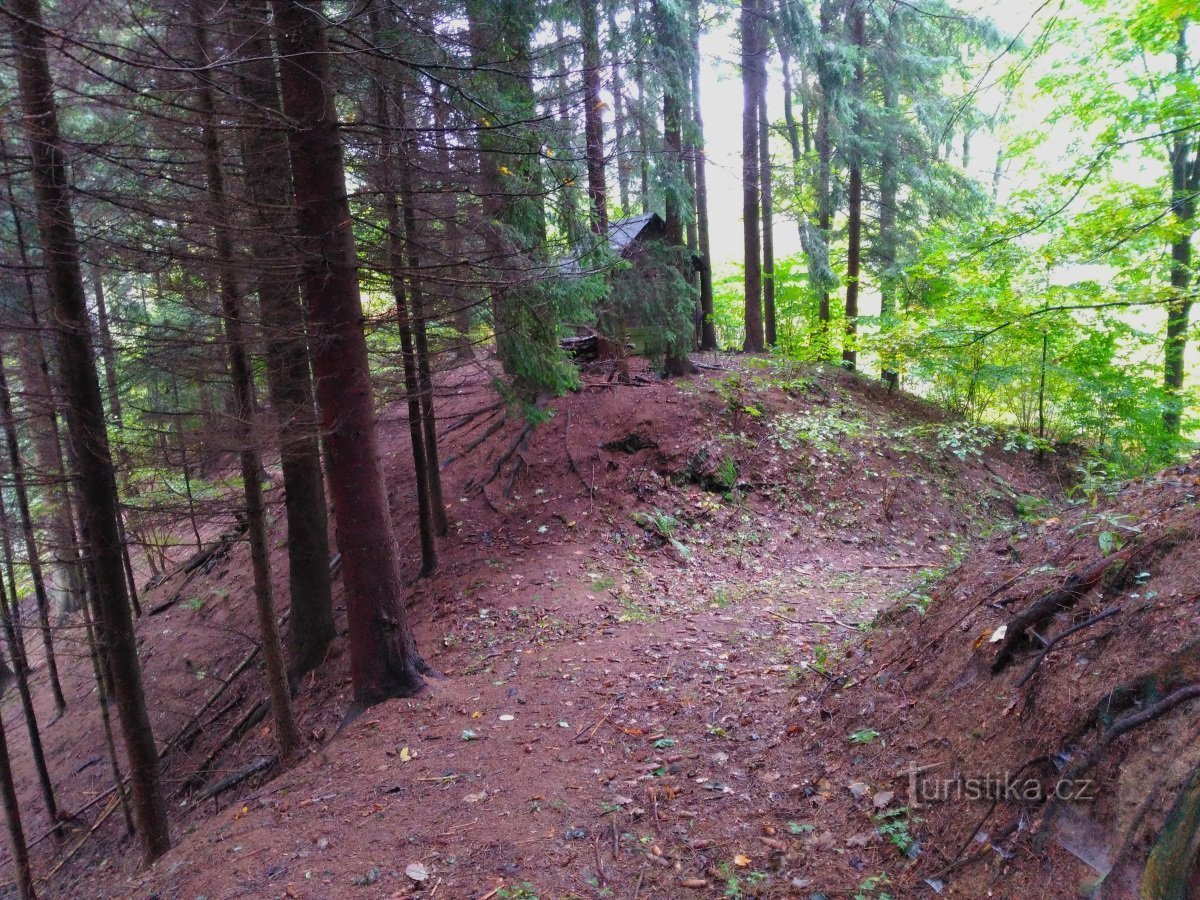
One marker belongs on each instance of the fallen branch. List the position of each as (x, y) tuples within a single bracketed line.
[(256, 714), (112, 807), (1058, 638), (467, 418), (261, 764)]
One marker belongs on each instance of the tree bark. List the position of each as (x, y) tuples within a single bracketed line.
[(768, 218), (620, 104), (396, 268), (886, 238), (593, 122), (708, 328), (383, 653), (85, 417), (1185, 182), (824, 145), (751, 28), (854, 194), (289, 383), (12, 813), (670, 37), (108, 351), (416, 291)]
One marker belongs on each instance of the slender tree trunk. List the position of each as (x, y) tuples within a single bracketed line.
[(12, 813), (9, 615), (110, 745), (886, 240), (751, 66), (593, 122), (708, 328), (97, 485), (384, 660), (1185, 182), (642, 119), (793, 133), (396, 268), (824, 145), (768, 218), (287, 736), (854, 194), (620, 105), (669, 29), (289, 383), (462, 303), (108, 351), (416, 290), (16, 468)]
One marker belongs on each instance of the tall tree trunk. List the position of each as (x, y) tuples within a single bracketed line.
[(383, 652), (671, 37), (1185, 182), (593, 122), (85, 418), (887, 240), (824, 146), (388, 164), (620, 105), (16, 469), (854, 194), (793, 132), (751, 90), (416, 290), (110, 744), (768, 217), (642, 117), (12, 814), (287, 736), (289, 383), (708, 328), (452, 248)]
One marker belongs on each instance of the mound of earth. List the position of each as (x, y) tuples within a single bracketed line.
[(1028, 728), (637, 614)]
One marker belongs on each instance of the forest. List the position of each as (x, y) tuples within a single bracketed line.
[(594, 448)]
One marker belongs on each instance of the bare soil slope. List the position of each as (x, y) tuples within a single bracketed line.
[(639, 621)]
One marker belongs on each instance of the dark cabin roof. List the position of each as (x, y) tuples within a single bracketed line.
[(622, 235)]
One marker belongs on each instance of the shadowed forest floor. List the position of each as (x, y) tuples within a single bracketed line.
[(639, 643)]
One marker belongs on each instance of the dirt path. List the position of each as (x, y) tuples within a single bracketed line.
[(634, 629)]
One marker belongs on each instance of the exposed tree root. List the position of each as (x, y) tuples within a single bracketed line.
[(492, 429), (514, 447), (1058, 639), (1088, 760), (1046, 607)]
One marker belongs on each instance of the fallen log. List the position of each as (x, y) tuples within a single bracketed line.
[(261, 764)]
